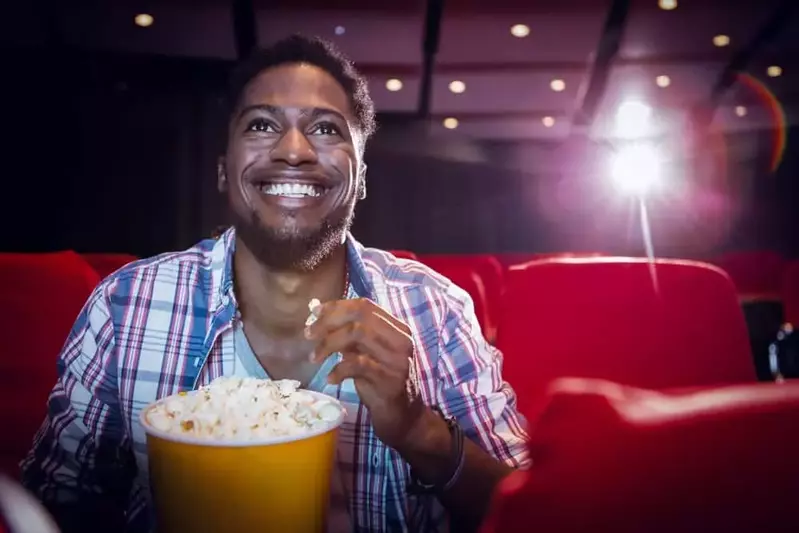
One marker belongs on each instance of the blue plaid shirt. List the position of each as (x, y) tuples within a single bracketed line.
[(164, 325)]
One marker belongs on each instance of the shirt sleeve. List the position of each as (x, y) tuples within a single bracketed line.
[(473, 390), (81, 460)]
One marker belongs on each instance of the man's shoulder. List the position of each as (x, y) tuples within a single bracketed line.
[(407, 275), (159, 277)]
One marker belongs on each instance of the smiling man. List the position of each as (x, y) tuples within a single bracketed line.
[(431, 424)]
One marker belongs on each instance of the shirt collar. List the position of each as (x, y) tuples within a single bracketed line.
[(222, 268)]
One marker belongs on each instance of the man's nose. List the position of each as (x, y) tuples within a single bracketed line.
[(293, 149)]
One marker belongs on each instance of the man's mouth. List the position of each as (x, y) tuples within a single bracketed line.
[(291, 190)]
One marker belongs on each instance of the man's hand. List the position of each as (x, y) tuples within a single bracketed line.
[(376, 350)]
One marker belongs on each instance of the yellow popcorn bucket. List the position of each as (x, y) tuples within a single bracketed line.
[(279, 484)]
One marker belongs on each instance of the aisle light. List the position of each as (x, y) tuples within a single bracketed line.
[(667, 5), (663, 81), (548, 122), (740, 110)]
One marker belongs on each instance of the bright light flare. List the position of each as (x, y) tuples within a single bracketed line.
[(633, 119), (636, 169)]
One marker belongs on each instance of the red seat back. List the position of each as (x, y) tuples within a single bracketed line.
[(613, 458), (106, 264), (756, 275), (404, 254), (654, 325), (790, 293), (42, 294), (491, 274), (508, 260)]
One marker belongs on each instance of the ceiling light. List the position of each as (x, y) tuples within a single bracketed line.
[(557, 85), (774, 71), (668, 5), (340, 30), (450, 123), (548, 122), (457, 86), (393, 84), (740, 110), (144, 20), (520, 30), (721, 40), (663, 81)]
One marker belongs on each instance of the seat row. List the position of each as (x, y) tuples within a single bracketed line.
[(635, 377)]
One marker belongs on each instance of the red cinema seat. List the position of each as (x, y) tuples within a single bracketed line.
[(756, 275), (508, 260), (107, 264), (611, 458), (404, 254), (41, 296), (654, 325), (490, 271), (789, 292)]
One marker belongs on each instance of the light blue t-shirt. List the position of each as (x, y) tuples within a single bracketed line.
[(246, 364)]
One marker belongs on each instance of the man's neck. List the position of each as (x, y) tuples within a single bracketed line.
[(276, 302)]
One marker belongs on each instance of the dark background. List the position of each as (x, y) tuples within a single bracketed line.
[(111, 151)]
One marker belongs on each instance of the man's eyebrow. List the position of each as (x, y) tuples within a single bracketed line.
[(313, 112), (259, 107), (316, 112)]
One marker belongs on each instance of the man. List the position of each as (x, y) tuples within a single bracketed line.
[(431, 422)]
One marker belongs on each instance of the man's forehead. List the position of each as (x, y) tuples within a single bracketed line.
[(297, 87)]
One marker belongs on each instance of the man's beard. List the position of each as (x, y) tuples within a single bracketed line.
[(292, 249)]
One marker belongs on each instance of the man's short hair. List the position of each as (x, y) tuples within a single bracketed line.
[(319, 53)]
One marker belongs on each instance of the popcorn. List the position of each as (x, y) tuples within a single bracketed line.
[(243, 409), (313, 304)]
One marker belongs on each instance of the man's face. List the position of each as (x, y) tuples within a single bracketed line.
[(292, 170)]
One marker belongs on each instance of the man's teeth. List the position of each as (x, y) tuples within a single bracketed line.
[(291, 190)]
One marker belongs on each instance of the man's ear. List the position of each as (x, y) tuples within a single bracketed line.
[(362, 182), (221, 174)]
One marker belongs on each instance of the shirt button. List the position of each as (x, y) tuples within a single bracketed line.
[(375, 459)]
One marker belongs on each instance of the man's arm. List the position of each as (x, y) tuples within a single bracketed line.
[(475, 394), (81, 465)]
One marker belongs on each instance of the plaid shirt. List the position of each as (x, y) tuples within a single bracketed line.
[(164, 325)]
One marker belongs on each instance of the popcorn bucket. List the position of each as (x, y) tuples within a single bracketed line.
[(280, 484)]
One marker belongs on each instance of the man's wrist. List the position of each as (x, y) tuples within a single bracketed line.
[(428, 449)]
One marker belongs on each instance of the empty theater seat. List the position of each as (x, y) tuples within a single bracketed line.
[(106, 264), (490, 271), (41, 295), (610, 318), (789, 292), (610, 458), (756, 274)]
